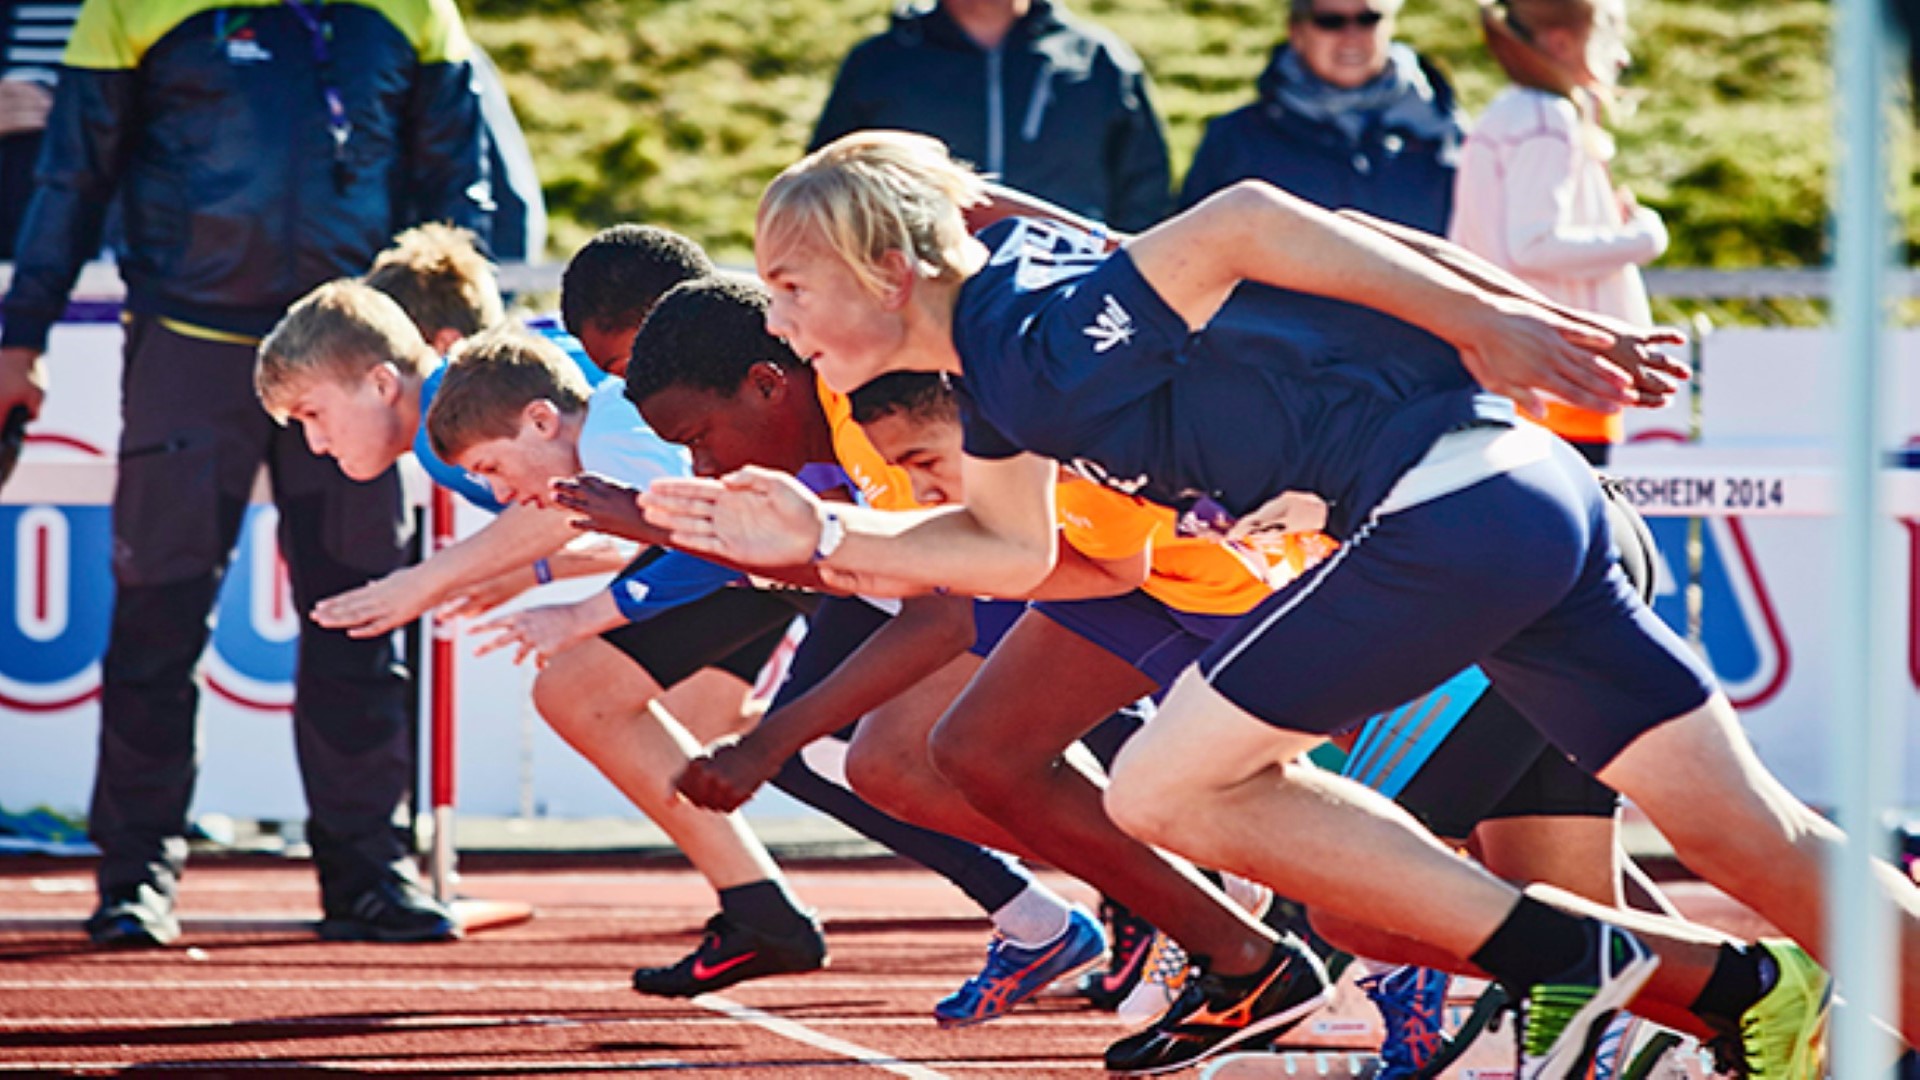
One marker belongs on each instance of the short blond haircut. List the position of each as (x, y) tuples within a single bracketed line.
[(339, 331), (870, 193), (491, 378), (440, 278)]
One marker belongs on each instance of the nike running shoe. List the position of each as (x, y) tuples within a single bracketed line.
[(1783, 1036), (1013, 974), (1164, 976), (1413, 1003), (731, 953), (1216, 1014), (1561, 1022), (1130, 939)]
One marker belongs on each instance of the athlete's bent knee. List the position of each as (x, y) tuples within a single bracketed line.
[(879, 776)]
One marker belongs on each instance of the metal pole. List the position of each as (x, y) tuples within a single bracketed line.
[(1862, 942), (1696, 594)]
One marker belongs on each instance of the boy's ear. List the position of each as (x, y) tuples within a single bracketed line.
[(767, 381), (386, 381), (543, 416), (897, 271), (444, 339)]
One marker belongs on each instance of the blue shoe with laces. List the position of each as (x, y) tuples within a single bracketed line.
[(1013, 974), (1413, 1002)]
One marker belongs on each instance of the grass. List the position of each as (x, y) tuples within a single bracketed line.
[(678, 112)]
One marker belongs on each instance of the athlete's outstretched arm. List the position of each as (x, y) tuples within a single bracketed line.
[(513, 540), (1656, 375), (1001, 543), (928, 633), (1254, 231)]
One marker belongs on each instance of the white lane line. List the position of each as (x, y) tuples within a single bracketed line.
[(801, 1033)]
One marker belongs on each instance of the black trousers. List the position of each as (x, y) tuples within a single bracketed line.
[(194, 437)]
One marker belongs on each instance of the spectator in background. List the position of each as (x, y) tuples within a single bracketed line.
[(255, 152), (32, 36), (1043, 101), (519, 221), (1534, 194), (1348, 118)]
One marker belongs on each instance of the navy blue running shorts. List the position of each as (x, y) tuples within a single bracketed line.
[(1157, 640), (1517, 573)]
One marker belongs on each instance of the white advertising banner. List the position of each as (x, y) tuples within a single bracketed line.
[(1765, 573)]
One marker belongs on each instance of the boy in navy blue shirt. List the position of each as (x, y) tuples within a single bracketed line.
[(1109, 363)]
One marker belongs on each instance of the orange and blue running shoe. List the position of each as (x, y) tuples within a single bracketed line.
[(1013, 974), (1413, 1003), (1215, 1014)]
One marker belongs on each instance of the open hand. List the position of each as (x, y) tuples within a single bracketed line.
[(378, 607), (538, 632), (754, 517), (1524, 350), (602, 504)]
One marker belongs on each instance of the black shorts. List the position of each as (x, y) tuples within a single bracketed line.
[(1494, 764), (734, 629)]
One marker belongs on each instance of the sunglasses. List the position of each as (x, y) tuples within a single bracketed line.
[(1332, 23)]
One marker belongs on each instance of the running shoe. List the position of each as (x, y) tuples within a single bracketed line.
[(731, 953), (1013, 974), (1561, 1022), (396, 909), (1215, 1014), (1783, 1036), (137, 916), (1130, 938), (1164, 975), (1413, 1003)]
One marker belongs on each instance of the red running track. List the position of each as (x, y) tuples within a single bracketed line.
[(250, 990)]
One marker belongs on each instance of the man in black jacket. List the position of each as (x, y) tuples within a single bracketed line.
[(1043, 101), (254, 151)]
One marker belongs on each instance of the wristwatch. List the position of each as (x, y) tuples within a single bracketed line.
[(833, 532)]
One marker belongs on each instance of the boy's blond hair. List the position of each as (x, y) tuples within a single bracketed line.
[(440, 278), (491, 378), (869, 193), (339, 331)]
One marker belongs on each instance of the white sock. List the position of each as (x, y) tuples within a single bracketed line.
[(1375, 968), (1249, 894), (1036, 916)]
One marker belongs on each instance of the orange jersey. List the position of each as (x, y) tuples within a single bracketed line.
[(884, 486), (1191, 574)]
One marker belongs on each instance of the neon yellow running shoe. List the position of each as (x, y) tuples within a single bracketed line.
[(1783, 1036)]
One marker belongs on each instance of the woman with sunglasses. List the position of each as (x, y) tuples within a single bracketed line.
[(1534, 194), (1348, 118)]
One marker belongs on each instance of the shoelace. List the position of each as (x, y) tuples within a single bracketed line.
[(1548, 1011), (1413, 1031), (1167, 965)]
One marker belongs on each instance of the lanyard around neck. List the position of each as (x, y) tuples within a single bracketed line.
[(338, 125)]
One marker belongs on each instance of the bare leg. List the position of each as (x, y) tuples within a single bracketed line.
[(1218, 785), (1735, 825), (890, 765), (710, 703), (1001, 745), (641, 749)]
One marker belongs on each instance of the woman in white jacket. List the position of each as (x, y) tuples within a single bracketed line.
[(1534, 194)]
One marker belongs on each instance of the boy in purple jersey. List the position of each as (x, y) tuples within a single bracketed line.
[(1112, 363)]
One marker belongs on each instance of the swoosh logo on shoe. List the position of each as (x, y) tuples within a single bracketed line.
[(1111, 982), (702, 972)]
